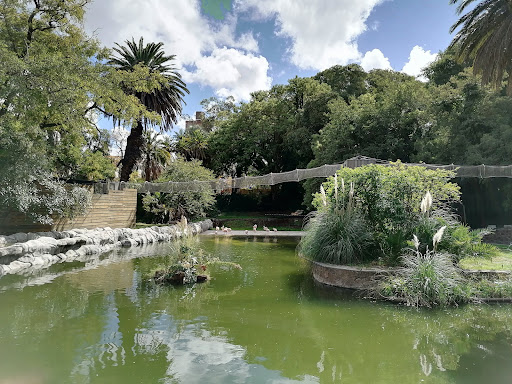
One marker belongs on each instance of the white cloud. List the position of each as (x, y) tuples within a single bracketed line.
[(418, 59), (375, 59), (232, 73), (322, 32), (186, 33)]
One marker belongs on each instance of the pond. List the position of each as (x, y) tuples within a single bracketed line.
[(105, 322)]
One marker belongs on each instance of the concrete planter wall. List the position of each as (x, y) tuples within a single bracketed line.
[(348, 277), (344, 276), (38, 250)]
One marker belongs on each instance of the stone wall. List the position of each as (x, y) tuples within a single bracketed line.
[(25, 252), (115, 209), (347, 277)]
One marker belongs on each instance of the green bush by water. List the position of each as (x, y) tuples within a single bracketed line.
[(336, 236), (427, 280), (390, 204)]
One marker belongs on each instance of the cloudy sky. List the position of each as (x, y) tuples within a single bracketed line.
[(235, 47)]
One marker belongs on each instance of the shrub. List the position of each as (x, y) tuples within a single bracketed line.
[(390, 196), (336, 234), (461, 241), (170, 206), (426, 279), (388, 200)]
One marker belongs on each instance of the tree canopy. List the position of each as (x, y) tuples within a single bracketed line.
[(54, 81), (484, 36)]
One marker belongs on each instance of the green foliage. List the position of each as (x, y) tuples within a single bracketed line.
[(384, 122), (166, 89), (390, 196), (426, 280), (336, 235), (53, 80), (484, 38), (96, 166), (469, 124), (387, 200), (441, 70), (192, 143), (272, 132), (186, 260), (347, 81), (171, 206), (491, 289), (155, 156), (462, 242)]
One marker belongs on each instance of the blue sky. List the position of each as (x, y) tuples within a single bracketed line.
[(235, 47)]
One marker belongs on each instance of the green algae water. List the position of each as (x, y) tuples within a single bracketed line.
[(104, 321)]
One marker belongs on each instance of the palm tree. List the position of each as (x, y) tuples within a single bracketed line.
[(485, 38), (192, 143), (155, 156), (165, 101)]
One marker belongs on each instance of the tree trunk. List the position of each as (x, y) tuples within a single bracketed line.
[(133, 151)]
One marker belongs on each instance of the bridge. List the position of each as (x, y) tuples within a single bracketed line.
[(297, 175)]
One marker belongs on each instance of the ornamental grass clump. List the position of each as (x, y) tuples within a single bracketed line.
[(426, 279), (336, 233)]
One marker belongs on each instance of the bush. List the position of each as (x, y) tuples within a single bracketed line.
[(336, 235), (171, 206), (426, 279), (390, 196), (388, 200)]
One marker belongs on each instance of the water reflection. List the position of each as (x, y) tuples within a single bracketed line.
[(267, 323)]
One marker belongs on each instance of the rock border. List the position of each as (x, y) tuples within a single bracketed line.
[(344, 276), (42, 249)]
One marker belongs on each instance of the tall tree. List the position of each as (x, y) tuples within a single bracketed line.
[(485, 38), (165, 100), (155, 155), (52, 79)]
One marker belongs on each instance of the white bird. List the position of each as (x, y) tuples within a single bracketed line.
[(266, 229), (229, 229), (224, 229), (254, 227), (217, 228), (274, 229)]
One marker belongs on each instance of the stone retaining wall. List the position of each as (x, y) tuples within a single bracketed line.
[(38, 250), (367, 278), (347, 277)]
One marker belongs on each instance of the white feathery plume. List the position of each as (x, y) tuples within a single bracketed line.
[(336, 187), (343, 185), (426, 202), (351, 193), (438, 236), (415, 241), (324, 197)]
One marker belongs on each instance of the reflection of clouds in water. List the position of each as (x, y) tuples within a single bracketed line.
[(195, 355)]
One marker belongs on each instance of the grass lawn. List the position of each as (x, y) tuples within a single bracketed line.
[(501, 262)]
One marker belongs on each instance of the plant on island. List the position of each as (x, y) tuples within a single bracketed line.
[(186, 262)]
